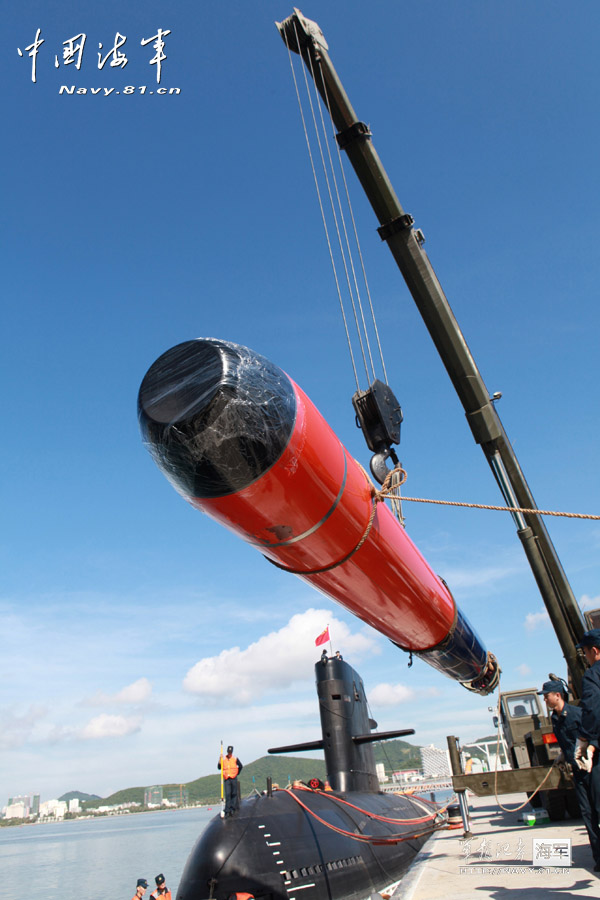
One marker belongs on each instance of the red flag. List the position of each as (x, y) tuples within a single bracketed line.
[(323, 637)]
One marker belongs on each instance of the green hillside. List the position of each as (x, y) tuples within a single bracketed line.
[(255, 774), (395, 755), (128, 795), (80, 795)]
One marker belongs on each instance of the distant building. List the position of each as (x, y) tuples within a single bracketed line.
[(153, 796), (179, 795), (435, 762), (53, 809), (380, 769), (34, 806), (17, 810), (14, 801), (74, 805)]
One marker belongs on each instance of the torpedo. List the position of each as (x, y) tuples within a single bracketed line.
[(241, 442), (300, 843)]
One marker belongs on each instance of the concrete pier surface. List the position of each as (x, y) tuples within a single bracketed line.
[(504, 858)]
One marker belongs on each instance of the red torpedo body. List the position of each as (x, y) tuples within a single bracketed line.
[(243, 443)]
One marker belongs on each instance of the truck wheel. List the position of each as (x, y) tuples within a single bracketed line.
[(555, 805), (572, 804)]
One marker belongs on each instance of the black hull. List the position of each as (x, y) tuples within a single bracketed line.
[(275, 849)]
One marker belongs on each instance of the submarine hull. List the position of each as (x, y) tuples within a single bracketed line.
[(283, 846)]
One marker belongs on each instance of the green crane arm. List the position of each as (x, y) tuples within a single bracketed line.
[(406, 245)]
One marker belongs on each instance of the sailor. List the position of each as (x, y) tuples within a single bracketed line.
[(140, 888), (231, 769), (566, 724), (586, 750), (161, 891)]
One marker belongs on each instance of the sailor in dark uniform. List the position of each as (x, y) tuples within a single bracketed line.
[(587, 756), (586, 751), (566, 724)]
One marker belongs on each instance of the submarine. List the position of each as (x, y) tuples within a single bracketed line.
[(306, 843)]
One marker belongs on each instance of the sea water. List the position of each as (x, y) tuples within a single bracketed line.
[(102, 858), (98, 859)]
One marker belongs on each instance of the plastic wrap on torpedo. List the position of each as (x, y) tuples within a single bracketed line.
[(215, 416)]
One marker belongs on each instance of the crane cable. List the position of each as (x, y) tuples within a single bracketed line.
[(357, 307), (314, 171), (342, 217), (358, 247)]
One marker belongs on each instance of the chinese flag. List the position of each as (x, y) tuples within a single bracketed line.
[(323, 637)]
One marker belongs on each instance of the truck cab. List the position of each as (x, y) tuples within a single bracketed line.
[(531, 742), (526, 726)]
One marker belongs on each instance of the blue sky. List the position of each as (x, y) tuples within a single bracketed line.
[(134, 222)]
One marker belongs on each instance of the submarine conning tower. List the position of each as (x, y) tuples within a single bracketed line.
[(346, 728), (343, 709)]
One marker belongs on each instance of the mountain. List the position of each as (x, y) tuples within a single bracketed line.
[(395, 755), (207, 789), (80, 795)]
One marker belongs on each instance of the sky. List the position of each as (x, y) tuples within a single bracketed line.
[(137, 634)]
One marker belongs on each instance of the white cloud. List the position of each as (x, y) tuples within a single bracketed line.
[(466, 579), (105, 726), (15, 729), (390, 694), (537, 620), (523, 669), (588, 602), (131, 695), (275, 661)]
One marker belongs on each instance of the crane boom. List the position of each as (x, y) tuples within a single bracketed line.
[(406, 245)]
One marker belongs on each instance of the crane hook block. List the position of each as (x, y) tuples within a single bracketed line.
[(379, 415)]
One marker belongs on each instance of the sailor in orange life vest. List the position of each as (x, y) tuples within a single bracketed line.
[(161, 892), (231, 769), (140, 888)]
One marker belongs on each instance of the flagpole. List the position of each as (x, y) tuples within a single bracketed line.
[(222, 786), (330, 644)]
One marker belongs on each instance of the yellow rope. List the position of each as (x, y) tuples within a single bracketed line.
[(386, 491)]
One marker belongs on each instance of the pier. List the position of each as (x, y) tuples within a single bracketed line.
[(504, 857)]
